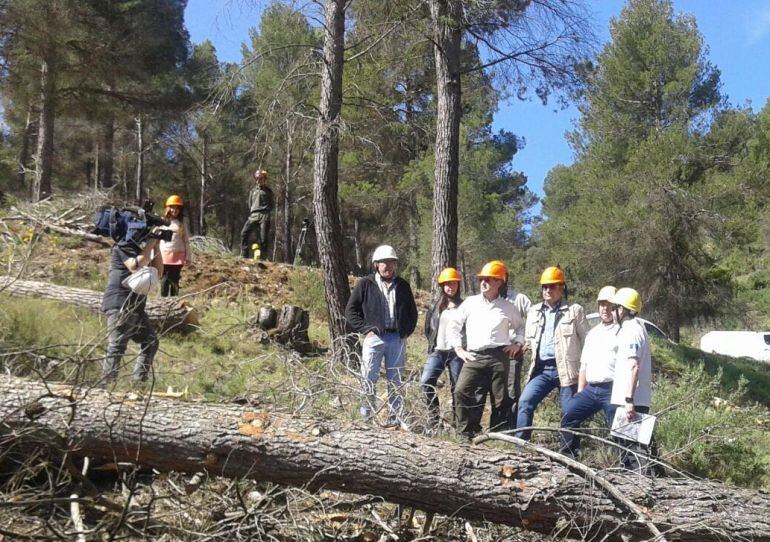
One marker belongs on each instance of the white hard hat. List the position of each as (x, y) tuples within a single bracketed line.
[(606, 294), (142, 281), (384, 252)]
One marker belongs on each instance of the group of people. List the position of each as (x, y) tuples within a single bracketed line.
[(481, 341)]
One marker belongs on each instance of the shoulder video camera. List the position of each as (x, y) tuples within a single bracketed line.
[(130, 224)]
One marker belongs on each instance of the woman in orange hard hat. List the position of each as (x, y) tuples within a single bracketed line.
[(555, 334), (490, 322), (441, 355), (176, 252)]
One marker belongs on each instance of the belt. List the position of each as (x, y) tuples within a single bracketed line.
[(488, 349), (391, 330), (548, 362), (601, 384)]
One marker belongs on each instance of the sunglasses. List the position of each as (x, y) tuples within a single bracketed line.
[(550, 286)]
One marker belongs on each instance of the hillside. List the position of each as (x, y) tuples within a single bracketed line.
[(714, 415)]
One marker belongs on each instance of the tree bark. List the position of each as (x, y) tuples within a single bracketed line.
[(44, 156), (24, 150), (165, 314), (325, 170), (515, 487), (106, 160), (204, 174), (446, 17), (139, 160), (288, 249)]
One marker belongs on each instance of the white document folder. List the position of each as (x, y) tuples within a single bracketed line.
[(639, 429)]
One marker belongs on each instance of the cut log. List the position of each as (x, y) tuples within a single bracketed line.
[(165, 314), (514, 487)]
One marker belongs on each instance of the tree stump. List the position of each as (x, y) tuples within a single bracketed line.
[(289, 327), (293, 323), (266, 318)]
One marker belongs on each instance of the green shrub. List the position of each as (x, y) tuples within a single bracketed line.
[(307, 287), (705, 431)]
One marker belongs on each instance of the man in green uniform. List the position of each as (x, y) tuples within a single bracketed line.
[(261, 204)]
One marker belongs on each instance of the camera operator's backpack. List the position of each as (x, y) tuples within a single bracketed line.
[(119, 225)]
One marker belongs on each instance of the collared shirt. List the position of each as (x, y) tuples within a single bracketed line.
[(522, 304), (445, 320), (488, 324), (547, 347), (599, 353), (389, 293), (633, 344)]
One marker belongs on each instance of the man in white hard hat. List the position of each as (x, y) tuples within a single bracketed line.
[(597, 371), (382, 308)]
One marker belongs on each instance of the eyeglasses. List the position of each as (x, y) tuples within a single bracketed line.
[(553, 286)]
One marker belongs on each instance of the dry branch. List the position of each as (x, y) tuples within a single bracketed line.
[(165, 314), (515, 487)]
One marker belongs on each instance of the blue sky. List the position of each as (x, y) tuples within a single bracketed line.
[(737, 33)]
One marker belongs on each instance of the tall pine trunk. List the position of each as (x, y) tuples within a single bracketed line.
[(325, 170), (204, 174), (139, 160), (288, 252), (445, 15), (106, 158), (24, 150), (44, 156)]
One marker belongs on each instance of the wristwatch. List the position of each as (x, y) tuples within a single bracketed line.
[(629, 400)]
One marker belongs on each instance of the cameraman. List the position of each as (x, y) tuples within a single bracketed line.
[(126, 317)]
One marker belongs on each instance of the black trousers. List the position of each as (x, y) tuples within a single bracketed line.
[(259, 224), (169, 283), (487, 374)]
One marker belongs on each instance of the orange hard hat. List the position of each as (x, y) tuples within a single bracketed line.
[(174, 200), (552, 275), (495, 269), (448, 275)]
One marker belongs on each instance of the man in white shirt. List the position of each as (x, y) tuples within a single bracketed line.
[(490, 322), (632, 386), (597, 371)]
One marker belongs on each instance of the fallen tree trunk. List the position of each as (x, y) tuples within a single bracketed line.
[(165, 314), (66, 231), (513, 487)]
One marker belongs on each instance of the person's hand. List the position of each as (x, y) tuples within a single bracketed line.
[(370, 335), (464, 355), (512, 350), (630, 412)]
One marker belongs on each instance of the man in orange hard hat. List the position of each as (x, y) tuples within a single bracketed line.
[(555, 334), (490, 322)]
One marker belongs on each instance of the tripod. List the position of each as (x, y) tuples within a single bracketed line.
[(301, 240)]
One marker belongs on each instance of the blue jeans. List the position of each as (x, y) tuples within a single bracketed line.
[(543, 381), (434, 366), (592, 399), (392, 348), (123, 326)]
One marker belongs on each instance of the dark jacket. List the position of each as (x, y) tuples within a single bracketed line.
[(366, 308), (432, 320), (261, 200)]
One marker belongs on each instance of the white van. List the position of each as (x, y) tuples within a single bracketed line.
[(748, 344)]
